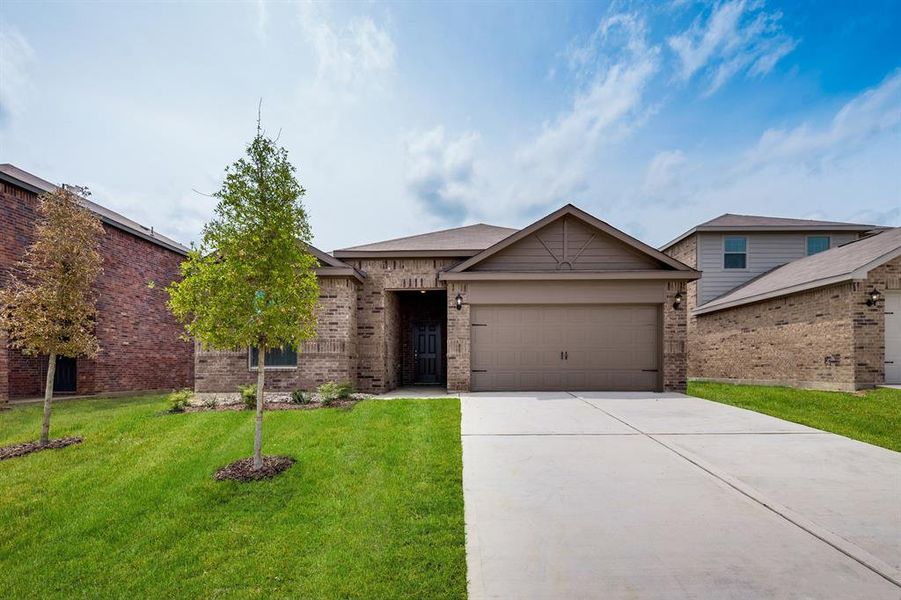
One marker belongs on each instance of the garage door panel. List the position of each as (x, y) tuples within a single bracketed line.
[(611, 347)]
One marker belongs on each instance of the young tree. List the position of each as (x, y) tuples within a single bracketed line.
[(251, 283), (49, 306)]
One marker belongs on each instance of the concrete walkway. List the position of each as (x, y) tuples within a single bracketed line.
[(618, 495)]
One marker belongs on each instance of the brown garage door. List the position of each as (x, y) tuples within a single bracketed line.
[(586, 347)]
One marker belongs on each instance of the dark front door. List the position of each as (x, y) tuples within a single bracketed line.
[(426, 353), (65, 379)]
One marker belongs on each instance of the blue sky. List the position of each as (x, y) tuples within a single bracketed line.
[(407, 117)]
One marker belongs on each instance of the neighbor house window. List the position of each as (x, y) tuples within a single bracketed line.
[(735, 253), (817, 243), (276, 358)]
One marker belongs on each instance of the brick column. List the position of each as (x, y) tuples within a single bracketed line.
[(458, 363), (675, 363)]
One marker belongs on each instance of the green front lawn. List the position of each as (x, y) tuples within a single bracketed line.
[(372, 509), (873, 416)]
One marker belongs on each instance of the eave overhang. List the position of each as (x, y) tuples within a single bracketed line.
[(404, 253), (681, 275)]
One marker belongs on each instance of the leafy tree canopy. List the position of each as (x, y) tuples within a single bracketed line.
[(49, 306), (251, 281)]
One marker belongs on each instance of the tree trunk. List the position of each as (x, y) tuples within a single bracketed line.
[(48, 399), (258, 436)]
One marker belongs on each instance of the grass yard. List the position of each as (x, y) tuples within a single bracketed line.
[(873, 416), (372, 509)]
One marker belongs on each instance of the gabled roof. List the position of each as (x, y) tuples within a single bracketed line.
[(329, 266), (729, 222), (35, 184), (844, 263), (459, 241), (671, 267)]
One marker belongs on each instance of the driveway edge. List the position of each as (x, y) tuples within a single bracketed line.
[(849, 549)]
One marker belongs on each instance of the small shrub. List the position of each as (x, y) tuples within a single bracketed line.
[(329, 392), (345, 389), (210, 403), (179, 401), (249, 395), (300, 397)]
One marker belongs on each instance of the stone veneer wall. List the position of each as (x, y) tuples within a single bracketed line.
[(826, 338), (332, 356), (378, 313)]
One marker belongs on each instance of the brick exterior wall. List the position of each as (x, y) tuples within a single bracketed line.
[(675, 363), (869, 324), (332, 356), (140, 340), (826, 338), (458, 340), (686, 251), (379, 316)]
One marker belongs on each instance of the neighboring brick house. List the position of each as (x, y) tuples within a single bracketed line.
[(784, 302), (566, 303), (140, 342)]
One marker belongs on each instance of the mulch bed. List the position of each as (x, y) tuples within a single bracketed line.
[(272, 406), (28, 447), (242, 470)]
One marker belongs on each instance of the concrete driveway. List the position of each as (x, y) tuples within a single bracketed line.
[(628, 495)]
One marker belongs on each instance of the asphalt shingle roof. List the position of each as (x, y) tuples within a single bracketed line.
[(825, 268), (468, 238), (730, 221), (109, 216)]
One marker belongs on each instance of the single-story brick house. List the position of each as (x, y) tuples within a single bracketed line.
[(809, 304), (568, 302), (141, 348)]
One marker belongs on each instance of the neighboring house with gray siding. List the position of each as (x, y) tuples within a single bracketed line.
[(810, 325), (733, 249)]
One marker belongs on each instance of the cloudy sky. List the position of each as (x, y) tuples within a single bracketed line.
[(407, 117)]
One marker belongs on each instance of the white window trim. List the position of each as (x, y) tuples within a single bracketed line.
[(812, 235), (747, 253), (250, 366)]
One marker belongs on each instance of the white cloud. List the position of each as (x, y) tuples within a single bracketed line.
[(843, 169), (614, 68), (664, 179), (349, 58), (262, 18), (870, 114), (440, 172), (737, 36), (16, 56)]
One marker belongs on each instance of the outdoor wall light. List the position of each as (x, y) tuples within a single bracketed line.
[(677, 300), (873, 297), (458, 302)]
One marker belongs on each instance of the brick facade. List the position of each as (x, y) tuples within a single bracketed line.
[(825, 338), (458, 340), (379, 318), (331, 356), (675, 363), (140, 342), (686, 252)]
